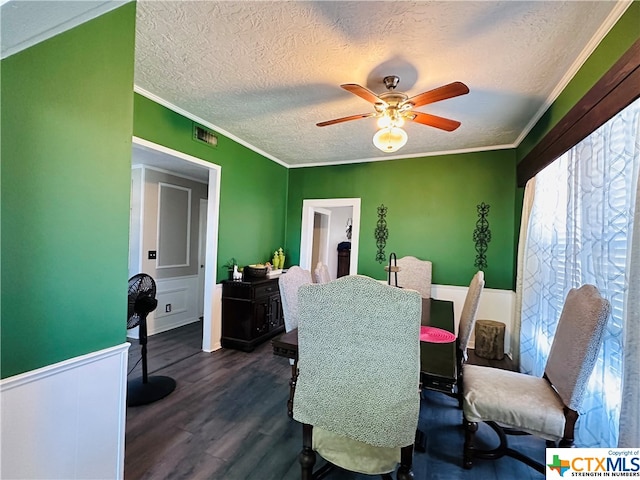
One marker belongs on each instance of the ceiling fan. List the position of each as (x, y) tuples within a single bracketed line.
[(394, 108)]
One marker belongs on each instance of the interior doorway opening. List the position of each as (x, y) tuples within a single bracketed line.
[(320, 245), (146, 154), (325, 224)]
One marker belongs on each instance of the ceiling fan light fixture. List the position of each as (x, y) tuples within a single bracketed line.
[(384, 121), (390, 119), (390, 139)]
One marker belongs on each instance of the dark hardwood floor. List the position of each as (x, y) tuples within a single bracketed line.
[(227, 420)]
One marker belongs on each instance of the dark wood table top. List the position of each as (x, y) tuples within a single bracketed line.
[(437, 360)]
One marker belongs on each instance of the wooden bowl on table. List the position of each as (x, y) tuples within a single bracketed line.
[(255, 271)]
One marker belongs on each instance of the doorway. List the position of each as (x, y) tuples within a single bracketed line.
[(332, 217), (320, 245), (161, 158)]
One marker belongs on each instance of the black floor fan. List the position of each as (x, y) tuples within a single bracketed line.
[(142, 301)]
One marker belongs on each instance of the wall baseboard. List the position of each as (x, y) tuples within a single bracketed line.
[(66, 420)]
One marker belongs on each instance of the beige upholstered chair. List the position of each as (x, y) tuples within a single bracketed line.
[(415, 274), (358, 376), (321, 273), (512, 403), (289, 284)]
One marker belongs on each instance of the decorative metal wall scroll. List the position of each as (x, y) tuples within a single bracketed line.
[(381, 233), (482, 236)]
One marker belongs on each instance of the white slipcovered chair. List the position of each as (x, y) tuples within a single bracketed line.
[(289, 284), (321, 273), (469, 314), (513, 403), (466, 324), (415, 274), (357, 393)]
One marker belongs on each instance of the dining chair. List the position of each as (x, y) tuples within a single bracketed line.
[(321, 273), (415, 274), (468, 317), (465, 328), (289, 284), (357, 394), (514, 403)]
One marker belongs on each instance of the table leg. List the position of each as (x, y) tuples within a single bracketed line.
[(420, 443), (292, 387)]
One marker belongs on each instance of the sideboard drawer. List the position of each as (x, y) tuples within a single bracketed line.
[(266, 290)]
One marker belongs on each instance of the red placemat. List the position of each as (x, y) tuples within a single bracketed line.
[(436, 335)]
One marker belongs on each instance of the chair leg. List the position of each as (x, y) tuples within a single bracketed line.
[(470, 429), (406, 463), (570, 419), (470, 452), (307, 457), (420, 441), (292, 387), (459, 380)]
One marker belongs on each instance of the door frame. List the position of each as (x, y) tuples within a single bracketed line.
[(210, 332), (202, 244), (309, 207)]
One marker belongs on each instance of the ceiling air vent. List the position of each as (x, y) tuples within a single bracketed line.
[(204, 135)]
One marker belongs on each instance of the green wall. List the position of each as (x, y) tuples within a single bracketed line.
[(67, 114), (624, 33), (253, 189), (67, 111), (431, 210)]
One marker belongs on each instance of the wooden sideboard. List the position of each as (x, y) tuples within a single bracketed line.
[(251, 312), (344, 263)]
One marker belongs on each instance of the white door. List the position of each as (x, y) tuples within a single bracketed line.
[(320, 246), (202, 251)]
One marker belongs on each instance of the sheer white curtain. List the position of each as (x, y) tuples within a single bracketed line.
[(580, 232), (527, 206), (630, 413)]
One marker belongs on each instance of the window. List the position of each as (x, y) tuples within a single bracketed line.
[(580, 232)]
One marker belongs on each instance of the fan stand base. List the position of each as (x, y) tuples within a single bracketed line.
[(139, 393)]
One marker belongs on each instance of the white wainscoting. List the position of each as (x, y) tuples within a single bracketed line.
[(494, 305), (67, 420), (182, 294)]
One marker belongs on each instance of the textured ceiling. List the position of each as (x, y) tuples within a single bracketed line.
[(25, 23), (267, 72), (264, 73)]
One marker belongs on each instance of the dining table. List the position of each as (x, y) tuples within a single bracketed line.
[(438, 357)]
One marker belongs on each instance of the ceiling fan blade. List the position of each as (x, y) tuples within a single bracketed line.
[(434, 121), (441, 93), (345, 119), (363, 92)]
